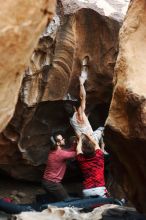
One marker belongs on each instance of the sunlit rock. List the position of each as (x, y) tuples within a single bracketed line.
[(126, 124), (111, 8), (104, 212), (21, 23)]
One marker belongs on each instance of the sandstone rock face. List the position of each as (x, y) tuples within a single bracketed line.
[(84, 33), (53, 72), (21, 23), (126, 124)]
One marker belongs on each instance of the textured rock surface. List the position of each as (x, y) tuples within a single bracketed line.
[(76, 37), (104, 212), (126, 123), (53, 72), (21, 23), (85, 33), (110, 8)]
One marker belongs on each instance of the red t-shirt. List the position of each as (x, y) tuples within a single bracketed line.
[(56, 164), (92, 169)]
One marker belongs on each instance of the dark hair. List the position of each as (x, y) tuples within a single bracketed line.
[(72, 140), (53, 140), (53, 147), (69, 107), (55, 135), (88, 147)]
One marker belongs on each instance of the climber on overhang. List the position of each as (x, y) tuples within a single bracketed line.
[(76, 112)]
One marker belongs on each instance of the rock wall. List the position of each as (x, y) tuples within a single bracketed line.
[(126, 124), (21, 23), (52, 74), (83, 33)]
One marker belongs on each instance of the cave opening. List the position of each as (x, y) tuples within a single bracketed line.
[(48, 118)]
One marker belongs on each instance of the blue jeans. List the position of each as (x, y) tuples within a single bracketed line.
[(90, 202), (12, 208)]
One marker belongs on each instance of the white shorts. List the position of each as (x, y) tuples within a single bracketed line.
[(97, 191), (97, 134)]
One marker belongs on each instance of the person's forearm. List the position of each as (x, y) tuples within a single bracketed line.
[(79, 146), (91, 138), (83, 97), (82, 91)]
